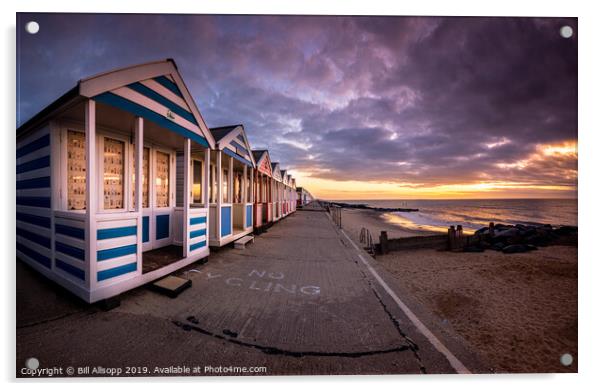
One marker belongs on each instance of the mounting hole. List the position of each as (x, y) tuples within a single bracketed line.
[(32, 363), (566, 31), (566, 359), (32, 27)]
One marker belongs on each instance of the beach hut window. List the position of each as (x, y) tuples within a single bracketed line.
[(114, 156), (145, 176), (76, 170), (162, 180), (249, 188), (225, 184), (238, 187), (197, 182)]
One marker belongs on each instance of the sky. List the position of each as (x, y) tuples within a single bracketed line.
[(356, 107)]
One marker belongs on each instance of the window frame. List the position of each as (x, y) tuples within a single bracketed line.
[(132, 155), (226, 185), (171, 177), (100, 169), (64, 169), (191, 182)]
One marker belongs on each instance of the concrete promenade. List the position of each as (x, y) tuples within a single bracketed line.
[(302, 299)]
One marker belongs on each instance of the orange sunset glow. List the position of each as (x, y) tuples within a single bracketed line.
[(561, 160)]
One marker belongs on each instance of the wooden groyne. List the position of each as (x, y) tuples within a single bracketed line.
[(499, 237)]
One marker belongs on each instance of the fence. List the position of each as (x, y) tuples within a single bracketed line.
[(335, 214)]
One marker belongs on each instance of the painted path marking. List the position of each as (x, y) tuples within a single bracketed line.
[(437, 344), (261, 280)]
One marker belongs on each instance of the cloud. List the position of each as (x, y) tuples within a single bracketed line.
[(417, 101)]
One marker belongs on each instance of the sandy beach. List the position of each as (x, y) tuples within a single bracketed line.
[(518, 311)]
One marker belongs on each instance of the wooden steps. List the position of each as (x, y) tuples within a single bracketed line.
[(241, 243)]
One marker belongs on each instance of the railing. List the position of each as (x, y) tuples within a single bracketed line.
[(335, 214)]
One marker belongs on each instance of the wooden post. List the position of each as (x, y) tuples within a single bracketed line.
[(451, 238), (213, 184), (91, 193), (384, 242), (206, 184), (218, 211), (252, 186), (243, 195), (186, 198), (139, 135), (244, 185), (231, 180)]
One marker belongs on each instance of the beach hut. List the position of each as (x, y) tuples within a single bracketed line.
[(263, 195), (289, 181), (304, 197), (232, 168), (277, 192), (294, 194), (112, 182), (284, 179)]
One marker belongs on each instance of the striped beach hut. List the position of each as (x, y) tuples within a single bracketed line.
[(232, 169), (112, 182), (293, 194), (290, 194), (277, 191), (285, 189), (263, 194), (304, 197)]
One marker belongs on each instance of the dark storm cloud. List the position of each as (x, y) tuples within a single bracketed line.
[(411, 100)]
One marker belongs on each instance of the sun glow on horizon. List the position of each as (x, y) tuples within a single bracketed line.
[(333, 189), (486, 188)]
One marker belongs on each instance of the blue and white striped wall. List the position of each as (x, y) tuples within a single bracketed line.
[(70, 249), (197, 231), (34, 214), (116, 248)]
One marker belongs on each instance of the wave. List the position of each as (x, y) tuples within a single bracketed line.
[(437, 215)]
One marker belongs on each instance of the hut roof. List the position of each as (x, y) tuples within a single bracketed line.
[(153, 90), (232, 140)]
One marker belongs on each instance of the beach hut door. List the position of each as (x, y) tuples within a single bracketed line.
[(157, 214), (162, 216)]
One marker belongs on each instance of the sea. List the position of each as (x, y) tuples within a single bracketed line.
[(438, 215)]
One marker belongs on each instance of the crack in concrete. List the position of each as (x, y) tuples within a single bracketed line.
[(411, 344), (59, 317), (278, 351)]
